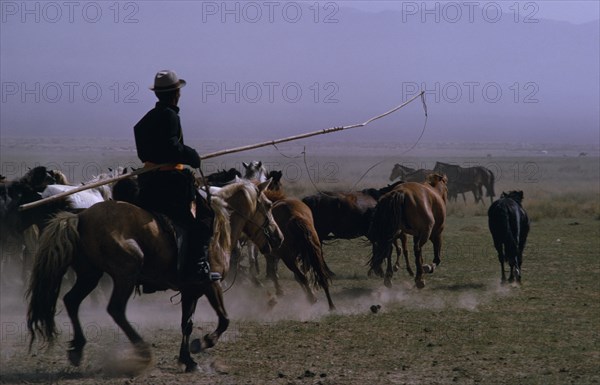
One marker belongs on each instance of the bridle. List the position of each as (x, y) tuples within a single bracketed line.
[(265, 225)]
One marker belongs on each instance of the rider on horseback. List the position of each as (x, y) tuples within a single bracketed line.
[(170, 190)]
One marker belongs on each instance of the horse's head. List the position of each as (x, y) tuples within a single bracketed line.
[(223, 177), (439, 182), (515, 195), (38, 178), (255, 171), (251, 211), (400, 171), (275, 177), (262, 228)]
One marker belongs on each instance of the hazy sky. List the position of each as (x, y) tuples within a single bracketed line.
[(575, 11), (492, 71)]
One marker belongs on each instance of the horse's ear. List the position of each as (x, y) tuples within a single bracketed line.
[(124, 171), (238, 179), (110, 169), (264, 185), (520, 194), (503, 195), (259, 164), (246, 165)]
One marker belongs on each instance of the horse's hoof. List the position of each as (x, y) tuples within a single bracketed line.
[(272, 302), (75, 356), (396, 268), (410, 272), (191, 367), (428, 269), (387, 282), (195, 347), (208, 342), (420, 284)]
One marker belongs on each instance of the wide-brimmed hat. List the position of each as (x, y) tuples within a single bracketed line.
[(167, 81)]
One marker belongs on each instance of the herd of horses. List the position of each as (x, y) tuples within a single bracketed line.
[(251, 210), (460, 179)]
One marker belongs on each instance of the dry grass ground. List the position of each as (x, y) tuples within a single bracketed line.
[(463, 327)]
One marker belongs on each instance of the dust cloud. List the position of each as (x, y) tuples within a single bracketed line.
[(161, 312)]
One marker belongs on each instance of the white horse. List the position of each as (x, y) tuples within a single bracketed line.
[(246, 251), (84, 199)]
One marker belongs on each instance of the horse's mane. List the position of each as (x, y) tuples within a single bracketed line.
[(274, 195), (434, 180), (248, 188), (220, 244)]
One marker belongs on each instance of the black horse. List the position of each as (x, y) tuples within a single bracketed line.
[(15, 193), (509, 225), (14, 223)]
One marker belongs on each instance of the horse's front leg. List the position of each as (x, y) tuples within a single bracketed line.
[(272, 262), (188, 307), (214, 294)]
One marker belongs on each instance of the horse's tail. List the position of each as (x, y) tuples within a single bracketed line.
[(311, 254), (501, 222), (220, 245), (57, 247), (385, 223)]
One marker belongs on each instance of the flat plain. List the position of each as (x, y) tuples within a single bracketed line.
[(464, 327)]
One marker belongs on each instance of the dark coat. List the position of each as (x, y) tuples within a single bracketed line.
[(159, 138)]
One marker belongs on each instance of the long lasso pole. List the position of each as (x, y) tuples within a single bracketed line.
[(309, 134), (56, 197)]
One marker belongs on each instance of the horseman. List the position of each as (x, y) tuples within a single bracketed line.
[(171, 189)]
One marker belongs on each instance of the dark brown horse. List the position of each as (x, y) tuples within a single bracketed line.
[(408, 174), (348, 215), (417, 209), (301, 249), (465, 179), (19, 229), (130, 245)]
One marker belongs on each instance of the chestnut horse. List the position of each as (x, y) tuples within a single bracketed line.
[(130, 245), (301, 249), (417, 209)]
